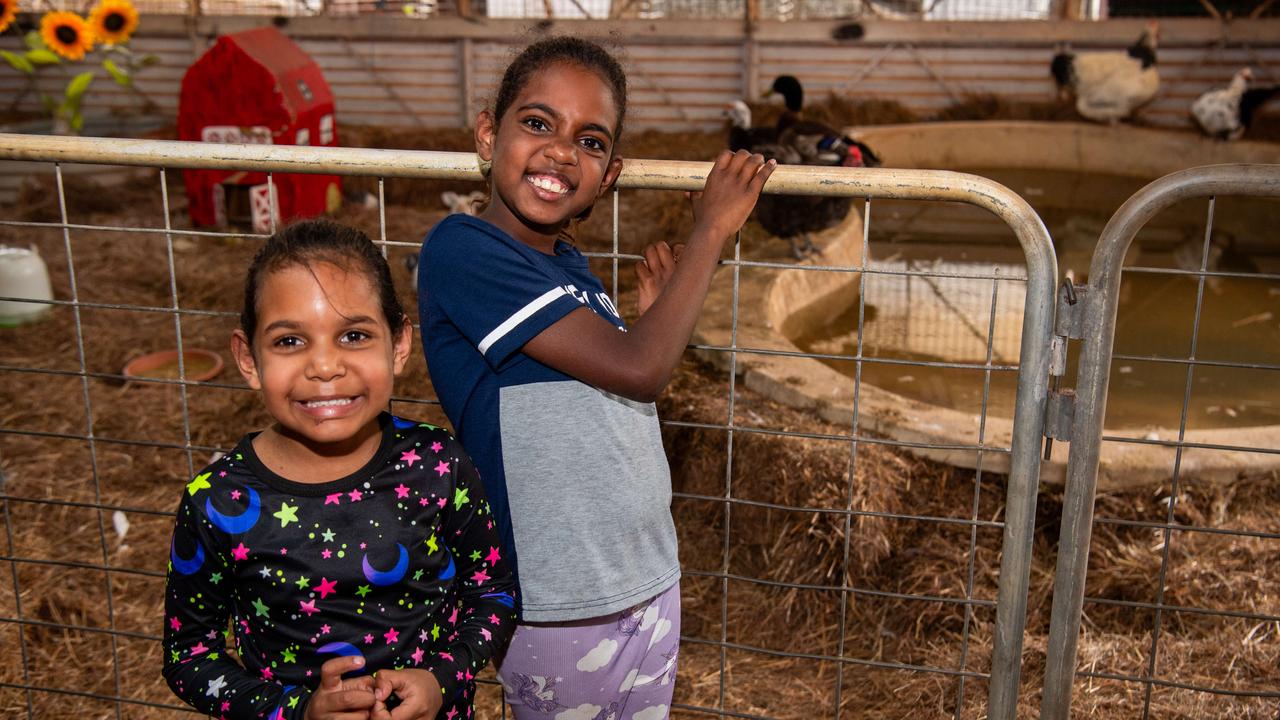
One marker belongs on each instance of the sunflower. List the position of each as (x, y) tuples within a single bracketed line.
[(8, 11), (113, 21), (67, 34)]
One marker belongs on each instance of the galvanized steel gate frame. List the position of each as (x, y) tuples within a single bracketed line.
[(1034, 360), (1088, 313)]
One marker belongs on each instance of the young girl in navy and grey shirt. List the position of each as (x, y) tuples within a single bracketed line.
[(552, 394)]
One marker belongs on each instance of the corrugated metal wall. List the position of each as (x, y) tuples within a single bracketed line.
[(683, 73)]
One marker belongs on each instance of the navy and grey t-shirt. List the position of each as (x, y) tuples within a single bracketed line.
[(577, 477)]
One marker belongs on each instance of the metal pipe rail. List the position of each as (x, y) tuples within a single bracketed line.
[(882, 183)]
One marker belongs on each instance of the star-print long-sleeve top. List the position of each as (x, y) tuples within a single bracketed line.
[(398, 562)]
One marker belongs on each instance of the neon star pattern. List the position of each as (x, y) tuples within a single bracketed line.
[(300, 581), (326, 587), (200, 482), (286, 514)]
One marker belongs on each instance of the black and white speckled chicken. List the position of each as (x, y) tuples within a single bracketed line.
[(1227, 113), (1217, 112), (1109, 86)]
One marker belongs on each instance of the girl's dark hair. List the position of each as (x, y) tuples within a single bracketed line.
[(320, 240), (586, 54)]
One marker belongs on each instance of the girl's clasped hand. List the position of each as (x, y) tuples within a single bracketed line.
[(407, 694)]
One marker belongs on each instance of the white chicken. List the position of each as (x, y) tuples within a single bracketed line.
[(1218, 111), (1109, 86)]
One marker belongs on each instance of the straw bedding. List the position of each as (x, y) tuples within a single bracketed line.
[(892, 561)]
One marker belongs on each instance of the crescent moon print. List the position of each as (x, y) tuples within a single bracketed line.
[(186, 566), (388, 577), (344, 649), (235, 524), (450, 569), (341, 649), (503, 598)]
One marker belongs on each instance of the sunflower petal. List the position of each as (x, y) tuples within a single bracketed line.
[(67, 34)]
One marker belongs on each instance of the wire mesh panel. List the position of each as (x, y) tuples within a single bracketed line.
[(1174, 520), (813, 548)]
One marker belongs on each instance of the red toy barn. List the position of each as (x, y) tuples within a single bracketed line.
[(257, 86)]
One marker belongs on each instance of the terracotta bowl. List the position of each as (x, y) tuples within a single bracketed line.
[(200, 365)]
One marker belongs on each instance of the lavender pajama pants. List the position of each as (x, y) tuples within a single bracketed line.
[(615, 667)]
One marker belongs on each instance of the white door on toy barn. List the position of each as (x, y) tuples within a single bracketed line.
[(264, 206)]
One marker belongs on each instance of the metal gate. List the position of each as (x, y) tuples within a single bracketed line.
[(21, 622), (1088, 313)]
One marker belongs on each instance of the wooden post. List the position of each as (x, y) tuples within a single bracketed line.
[(464, 9), (1070, 9), (465, 73), (752, 13), (193, 8)]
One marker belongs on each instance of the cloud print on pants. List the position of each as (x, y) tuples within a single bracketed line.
[(660, 631), (599, 656), (585, 711), (657, 712)]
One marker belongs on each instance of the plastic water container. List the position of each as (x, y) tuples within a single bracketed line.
[(22, 275)]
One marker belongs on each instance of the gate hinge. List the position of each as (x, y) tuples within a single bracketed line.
[(1059, 411), (1069, 320)]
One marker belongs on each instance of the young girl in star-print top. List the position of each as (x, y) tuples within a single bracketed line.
[(349, 554)]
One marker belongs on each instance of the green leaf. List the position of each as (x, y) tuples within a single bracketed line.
[(148, 61), (119, 74), (49, 106), (34, 41), (41, 56), (78, 84), (77, 120), (18, 62)]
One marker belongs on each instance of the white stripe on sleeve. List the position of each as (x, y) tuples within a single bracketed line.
[(518, 317)]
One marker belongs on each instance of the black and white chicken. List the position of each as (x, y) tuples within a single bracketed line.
[(1218, 111), (1226, 113), (1109, 86)]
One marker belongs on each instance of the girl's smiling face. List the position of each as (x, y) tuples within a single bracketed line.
[(552, 153), (323, 357)]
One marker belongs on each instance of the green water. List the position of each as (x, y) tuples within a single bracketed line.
[(1239, 318)]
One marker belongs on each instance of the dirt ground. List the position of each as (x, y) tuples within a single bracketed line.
[(920, 538)]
